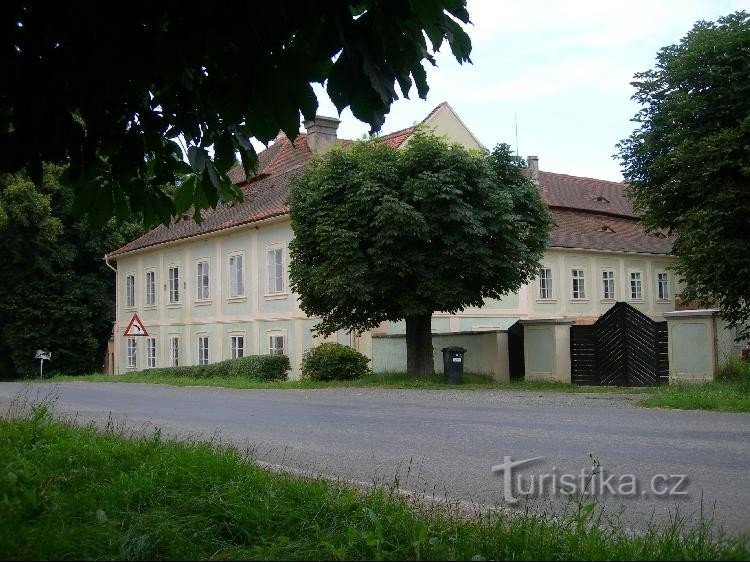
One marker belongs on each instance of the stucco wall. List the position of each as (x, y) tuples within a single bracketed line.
[(487, 352)]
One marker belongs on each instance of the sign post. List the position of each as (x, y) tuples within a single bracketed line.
[(42, 356)]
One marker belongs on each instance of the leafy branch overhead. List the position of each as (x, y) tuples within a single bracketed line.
[(125, 98)]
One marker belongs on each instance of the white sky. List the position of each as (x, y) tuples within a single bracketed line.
[(562, 67)]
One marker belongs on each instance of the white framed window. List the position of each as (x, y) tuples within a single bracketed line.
[(236, 275), (608, 285), (130, 291), (545, 283), (132, 353), (202, 350), (578, 284), (662, 286), (202, 280), (276, 343), (150, 353), (275, 269), (636, 286), (150, 288), (174, 351), (174, 284), (237, 345)]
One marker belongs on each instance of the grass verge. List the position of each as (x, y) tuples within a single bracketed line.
[(75, 493), (374, 380), (729, 393)]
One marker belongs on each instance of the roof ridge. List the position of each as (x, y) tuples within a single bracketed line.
[(617, 183)]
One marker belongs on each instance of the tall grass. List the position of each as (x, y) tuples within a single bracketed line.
[(730, 392), (75, 493)]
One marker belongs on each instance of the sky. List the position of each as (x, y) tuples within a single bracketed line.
[(559, 69)]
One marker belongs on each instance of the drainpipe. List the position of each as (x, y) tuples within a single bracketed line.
[(116, 362)]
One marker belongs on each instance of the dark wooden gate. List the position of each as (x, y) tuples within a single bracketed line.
[(623, 348)]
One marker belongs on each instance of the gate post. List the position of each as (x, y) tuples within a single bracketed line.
[(546, 349), (699, 344)]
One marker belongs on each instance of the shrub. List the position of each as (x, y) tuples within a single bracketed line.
[(333, 361), (260, 367)]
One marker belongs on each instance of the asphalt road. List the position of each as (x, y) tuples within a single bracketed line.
[(445, 443)]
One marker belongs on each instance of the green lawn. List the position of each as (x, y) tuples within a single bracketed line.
[(374, 380), (74, 493), (729, 393)]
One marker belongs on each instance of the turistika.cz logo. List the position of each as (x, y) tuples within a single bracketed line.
[(590, 481)]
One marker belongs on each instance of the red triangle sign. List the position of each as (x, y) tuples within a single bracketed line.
[(136, 327)]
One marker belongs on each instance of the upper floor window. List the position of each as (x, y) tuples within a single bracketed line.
[(130, 291), (151, 352), (276, 344), (202, 280), (132, 353), (202, 350), (174, 284), (608, 284), (237, 344), (236, 276), (174, 351), (578, 284), (545, 283), (150, 288), (636, 285), (275, 266), (662, 286)]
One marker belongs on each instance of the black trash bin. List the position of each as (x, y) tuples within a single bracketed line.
[(453, 364)]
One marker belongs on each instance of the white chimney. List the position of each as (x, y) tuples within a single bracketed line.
[(321, 133), (533, 166)]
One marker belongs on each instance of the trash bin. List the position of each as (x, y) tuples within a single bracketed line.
[(453, 364)]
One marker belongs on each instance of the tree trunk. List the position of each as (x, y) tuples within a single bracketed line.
[(419, 360)]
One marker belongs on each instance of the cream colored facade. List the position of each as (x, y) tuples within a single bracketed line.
[(263, 317)]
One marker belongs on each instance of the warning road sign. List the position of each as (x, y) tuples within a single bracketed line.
[(135, 328)]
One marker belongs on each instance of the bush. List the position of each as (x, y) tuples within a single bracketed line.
[(333, 361), (260, 367)]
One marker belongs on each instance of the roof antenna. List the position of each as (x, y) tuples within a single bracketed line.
[(515, 117)]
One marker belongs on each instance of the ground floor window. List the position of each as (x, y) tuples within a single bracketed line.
[(203, 350), (276, 344), (132, 353), (174, 351), (151, 353), (238, 346)]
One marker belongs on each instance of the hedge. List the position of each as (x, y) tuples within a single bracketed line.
[(261, 367), (333, 361)]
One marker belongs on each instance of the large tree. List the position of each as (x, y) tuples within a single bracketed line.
[(385, 234), (57, 293), (121, 92), (688, 163)]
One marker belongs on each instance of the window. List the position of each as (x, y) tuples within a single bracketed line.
[(202, 280), (150, 288), (130, 291), (202, 350), (174, 351), (151, 353), (132, 353), (636, 286), (236, 280), (662, 286), (276, 344), (578, 284), (174, 284), (545, 283), (608, 285), (275, 266), (238, 346)]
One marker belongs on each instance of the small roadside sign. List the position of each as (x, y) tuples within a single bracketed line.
[(135, 328), (42, 356)]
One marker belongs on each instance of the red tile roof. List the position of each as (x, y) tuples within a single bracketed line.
[(580, 206)]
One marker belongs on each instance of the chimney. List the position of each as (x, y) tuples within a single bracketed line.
[(321, 133), (533, 167)]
